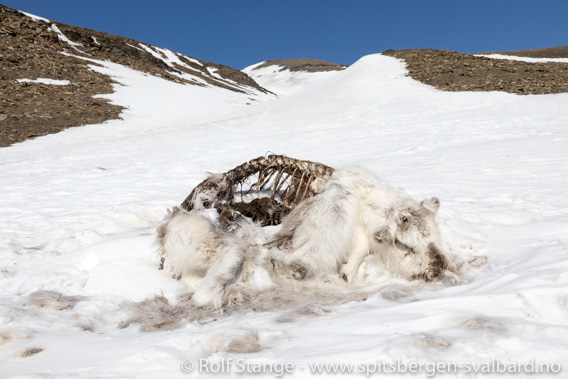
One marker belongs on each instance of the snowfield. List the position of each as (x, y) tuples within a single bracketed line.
[(284, 82), (80, 209)]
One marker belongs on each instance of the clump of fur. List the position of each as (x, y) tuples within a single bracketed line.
[(52, 299), (297, 298), (155, 314), (31, 351), (483, 323), (7, 336), (245, 344)]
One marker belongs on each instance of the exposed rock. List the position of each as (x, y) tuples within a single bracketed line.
[(29, 50), (32, 49), (547, 52), (453, 71), (302, 64)]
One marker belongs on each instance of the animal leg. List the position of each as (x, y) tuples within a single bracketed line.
[(218, 280), (356, 255)]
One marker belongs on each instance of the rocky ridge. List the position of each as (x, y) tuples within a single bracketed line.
[(32, 47), (453, 71), (302, 64), (547, 52)]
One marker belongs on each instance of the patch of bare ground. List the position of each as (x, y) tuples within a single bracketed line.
[(547, 52), (303, 64), (29, 50), (453, 71)]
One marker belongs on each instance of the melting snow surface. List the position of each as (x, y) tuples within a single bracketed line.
[(54, 82), (79, 212), (172, 59), (34, 17), (523, 59), (63, 38)]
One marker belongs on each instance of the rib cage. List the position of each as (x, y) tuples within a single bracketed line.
[(291, 180)]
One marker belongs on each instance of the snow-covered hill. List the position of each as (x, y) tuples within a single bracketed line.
[(79, 211), (38, 53), (287, 77)]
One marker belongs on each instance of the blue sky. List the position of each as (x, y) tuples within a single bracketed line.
[(240, 33)]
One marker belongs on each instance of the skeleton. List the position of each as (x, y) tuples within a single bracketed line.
[(291, 180)]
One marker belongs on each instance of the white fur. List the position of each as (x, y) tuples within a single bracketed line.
[(327, 235), (356, 215), (189, 247), (209, 260)]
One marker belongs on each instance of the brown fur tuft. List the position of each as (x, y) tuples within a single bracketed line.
[(245, 344), (31, 351), (438, 264), (156, 314), (52, 299), (481, 323)]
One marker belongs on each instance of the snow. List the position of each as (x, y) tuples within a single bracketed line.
[(213, 72), (167, 56), (172, 59), (54, 82), (284, 82), (135, 47), (79, 212), (62, 36), (523, 59), (34, 17)]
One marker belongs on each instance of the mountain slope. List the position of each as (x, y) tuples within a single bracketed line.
[(35, 48), (288, 76), (453, 71), (547, 52), (81, 208)]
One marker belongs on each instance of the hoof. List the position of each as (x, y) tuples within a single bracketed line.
[(298, 272), (235, 298)]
